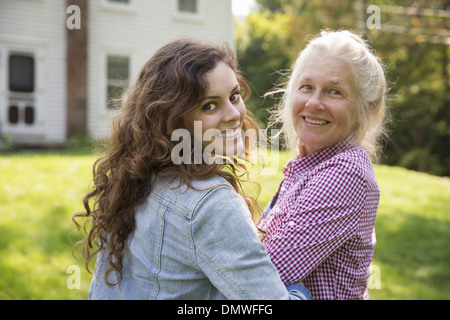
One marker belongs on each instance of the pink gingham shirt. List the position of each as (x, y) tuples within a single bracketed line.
[(321, 226)]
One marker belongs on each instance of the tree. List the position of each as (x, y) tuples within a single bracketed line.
[(264, 48)]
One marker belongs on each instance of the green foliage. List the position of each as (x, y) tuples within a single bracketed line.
[(265, 45), (412, 42), (420, 105)]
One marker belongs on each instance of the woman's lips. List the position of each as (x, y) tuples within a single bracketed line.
[(315, 121)]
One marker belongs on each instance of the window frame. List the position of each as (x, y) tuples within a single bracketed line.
[(119, 7), (115, 82), (186, 16)]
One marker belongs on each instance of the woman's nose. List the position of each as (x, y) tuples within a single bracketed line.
[(315, 102), (231, 113)]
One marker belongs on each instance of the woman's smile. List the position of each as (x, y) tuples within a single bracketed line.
[(315, 122)]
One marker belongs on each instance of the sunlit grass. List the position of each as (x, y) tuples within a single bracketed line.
[(38, 195)]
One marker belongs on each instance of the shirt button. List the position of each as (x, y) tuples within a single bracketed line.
[(291, 223)]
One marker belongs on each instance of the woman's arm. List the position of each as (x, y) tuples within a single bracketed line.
[(228, 250)]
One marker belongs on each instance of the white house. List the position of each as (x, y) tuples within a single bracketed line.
[(61, 61)]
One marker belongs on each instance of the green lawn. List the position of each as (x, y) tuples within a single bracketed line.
[(38, 195), (40, 191)]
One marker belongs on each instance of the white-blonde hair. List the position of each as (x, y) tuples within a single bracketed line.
[(369, 80)]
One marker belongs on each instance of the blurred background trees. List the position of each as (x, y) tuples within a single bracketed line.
[(413, 41)]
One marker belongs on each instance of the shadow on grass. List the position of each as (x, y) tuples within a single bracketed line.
[(74, 147)]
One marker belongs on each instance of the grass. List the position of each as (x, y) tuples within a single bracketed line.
[(412, 235), (39, 192)]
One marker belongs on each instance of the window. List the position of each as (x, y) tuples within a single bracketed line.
[(18, 115), (21, 73), (118, 73), (13, 114), (29, 115), (188, 6), (188, 11)]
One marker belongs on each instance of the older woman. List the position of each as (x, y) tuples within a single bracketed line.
[(319, 227)]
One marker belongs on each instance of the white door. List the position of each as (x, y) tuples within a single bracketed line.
[(20, 116), (21, 88)]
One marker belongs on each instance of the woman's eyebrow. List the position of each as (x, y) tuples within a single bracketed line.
[(305, 78), (337, 81), (333, 81)]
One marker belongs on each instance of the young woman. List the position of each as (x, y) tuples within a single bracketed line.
[(165, 224), (319, 227)]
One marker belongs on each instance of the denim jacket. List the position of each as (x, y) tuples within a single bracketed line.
[(194, 245)]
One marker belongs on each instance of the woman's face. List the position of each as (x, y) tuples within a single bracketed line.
[(323, 106), (219, 118)]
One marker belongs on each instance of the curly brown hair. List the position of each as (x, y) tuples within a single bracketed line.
[(171, 84)]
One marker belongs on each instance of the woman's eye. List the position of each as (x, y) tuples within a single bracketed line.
[(306, 87), (235, 97), (209, 106), (335, 92)]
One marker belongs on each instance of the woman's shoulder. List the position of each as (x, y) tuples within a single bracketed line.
[(210, 183), (355, 157), (176, 183), (174, 192), (353, 161)]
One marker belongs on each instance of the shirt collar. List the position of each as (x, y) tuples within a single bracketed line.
[(299, 165)]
